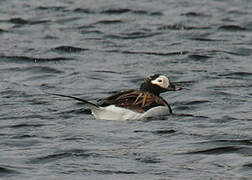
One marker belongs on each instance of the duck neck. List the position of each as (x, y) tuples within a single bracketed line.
[(147, 87)]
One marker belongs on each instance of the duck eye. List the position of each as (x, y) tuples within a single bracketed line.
[(160, 80)]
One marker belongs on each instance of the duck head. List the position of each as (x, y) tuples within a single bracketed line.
[(158, 83)]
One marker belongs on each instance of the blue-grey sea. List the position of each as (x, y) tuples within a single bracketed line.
[(91, 48)]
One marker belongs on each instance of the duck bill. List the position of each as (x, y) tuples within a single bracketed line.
[(173, 87)]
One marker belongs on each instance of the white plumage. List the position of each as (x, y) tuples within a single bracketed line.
[(113, 112)]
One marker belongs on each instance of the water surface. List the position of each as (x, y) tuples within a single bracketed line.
[(92, 48)]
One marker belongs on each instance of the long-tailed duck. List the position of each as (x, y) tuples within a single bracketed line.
[(134, 104)]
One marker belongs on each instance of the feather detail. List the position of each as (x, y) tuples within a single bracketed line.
[(135, 100), (138, 97), (144, 100)]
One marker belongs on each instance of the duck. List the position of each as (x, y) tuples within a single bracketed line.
[(132, 104)]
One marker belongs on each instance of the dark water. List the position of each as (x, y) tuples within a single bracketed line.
[(91, 48)]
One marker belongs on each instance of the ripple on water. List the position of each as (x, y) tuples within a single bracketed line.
[(195, 14), (232, 28), (51, 8), (6, 171), (69, 49), (224, 150), (117, 11), (72, 153), (21, 21), (179, 26), (19, 59), (230, 141), (239, 75)]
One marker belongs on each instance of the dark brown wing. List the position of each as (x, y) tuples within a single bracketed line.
[(135, 100)]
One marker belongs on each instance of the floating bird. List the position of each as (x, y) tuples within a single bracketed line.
[(134, 104)]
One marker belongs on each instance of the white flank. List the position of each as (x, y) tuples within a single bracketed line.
[(113, 112)]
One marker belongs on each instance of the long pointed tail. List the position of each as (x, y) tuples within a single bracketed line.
[(91, 105)]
